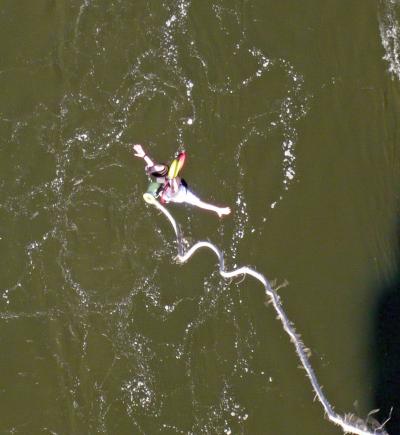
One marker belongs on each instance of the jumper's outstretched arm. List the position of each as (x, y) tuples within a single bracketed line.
[(139, 152)]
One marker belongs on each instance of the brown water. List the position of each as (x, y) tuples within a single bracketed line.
[(289, 113)]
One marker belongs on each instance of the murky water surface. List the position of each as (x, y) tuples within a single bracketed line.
[(289, 113)]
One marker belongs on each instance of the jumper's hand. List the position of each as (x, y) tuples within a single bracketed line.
[(139, 152)]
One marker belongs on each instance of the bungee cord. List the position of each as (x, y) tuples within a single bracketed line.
[(349, 423)]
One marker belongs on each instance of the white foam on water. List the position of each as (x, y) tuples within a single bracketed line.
[(178, 25), (389, 27), (168, 80), (294, 106), (224, 416), (241, 221)]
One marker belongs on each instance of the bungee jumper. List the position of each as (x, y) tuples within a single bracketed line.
[(168, 187)]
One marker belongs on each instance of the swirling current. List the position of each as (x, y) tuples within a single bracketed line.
[(288, 114)]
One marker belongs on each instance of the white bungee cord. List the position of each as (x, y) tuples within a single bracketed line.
[(349, 423)]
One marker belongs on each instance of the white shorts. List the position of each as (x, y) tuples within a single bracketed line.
[(183, 195)]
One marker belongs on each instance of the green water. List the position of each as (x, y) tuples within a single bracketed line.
[(289, 114)]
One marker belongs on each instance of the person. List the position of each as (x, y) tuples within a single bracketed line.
[(172, 188)]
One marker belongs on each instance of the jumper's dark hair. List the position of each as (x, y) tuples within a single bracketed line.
[(155, 170)]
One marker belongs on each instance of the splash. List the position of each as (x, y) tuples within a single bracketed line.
[(389, 27)]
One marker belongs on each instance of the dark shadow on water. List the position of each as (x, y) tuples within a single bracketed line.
[(386, 354)]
